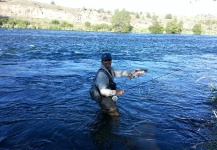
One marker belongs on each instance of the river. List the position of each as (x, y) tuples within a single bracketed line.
[(45, 78)]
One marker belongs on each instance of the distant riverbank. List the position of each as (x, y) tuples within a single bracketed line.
[(35, 15)]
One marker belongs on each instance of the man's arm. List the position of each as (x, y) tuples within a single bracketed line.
[(102, 82), (121, 73)]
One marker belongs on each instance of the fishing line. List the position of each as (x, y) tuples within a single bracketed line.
[(140, 93), (164, 75)]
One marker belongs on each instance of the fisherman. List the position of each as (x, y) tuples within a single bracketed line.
[(107, 87)]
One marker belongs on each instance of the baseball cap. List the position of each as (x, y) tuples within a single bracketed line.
[(106, 56)]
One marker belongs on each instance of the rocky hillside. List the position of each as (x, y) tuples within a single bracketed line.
[(30, 9), (27, 9)]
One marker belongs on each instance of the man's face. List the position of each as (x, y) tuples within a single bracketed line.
[(107, 63)]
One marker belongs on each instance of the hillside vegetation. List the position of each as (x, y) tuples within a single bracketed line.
[(35, 15)]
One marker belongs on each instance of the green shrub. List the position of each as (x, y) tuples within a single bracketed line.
[(168, 16), (87, 24), (121, 21), (154, 17), (101, 10), (11, 21), (137, 15), (173, 27), (65, 25), (54, 28), (148, 15), (56, 22), (210, 22), (156, 29), (21, 24), (197, 29), (101, 27), (3, 21)]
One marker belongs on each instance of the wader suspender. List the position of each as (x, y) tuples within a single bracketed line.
[(110, 79), (94, 90)]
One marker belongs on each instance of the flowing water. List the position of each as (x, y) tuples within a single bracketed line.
[(44, 91)]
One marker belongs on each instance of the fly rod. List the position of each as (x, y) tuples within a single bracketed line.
[(161, 76)]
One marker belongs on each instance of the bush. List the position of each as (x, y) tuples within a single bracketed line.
[(156, 29), (137, 16), (197, 29), (101, 10), (121, 21), (66, 25), (3, 21), (101, 27), (173, 27), (56, 22), (148, 15), (154, 17), (210, 22), (11, 23), (168, 16), (87, 24), (21, 23)]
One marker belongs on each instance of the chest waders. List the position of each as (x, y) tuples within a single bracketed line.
[(94, 90)]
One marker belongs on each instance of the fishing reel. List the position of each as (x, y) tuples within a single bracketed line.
[(114, 98)]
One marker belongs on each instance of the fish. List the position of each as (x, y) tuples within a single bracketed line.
[(137, 72)]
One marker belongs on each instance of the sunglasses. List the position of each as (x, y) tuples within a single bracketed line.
[(107, 60)]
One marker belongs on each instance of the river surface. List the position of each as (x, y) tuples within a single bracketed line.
[(44, 91)]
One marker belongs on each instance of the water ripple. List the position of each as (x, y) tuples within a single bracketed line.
[(45, 104)]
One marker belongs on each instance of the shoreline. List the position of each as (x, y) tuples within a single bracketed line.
[(39, 15)]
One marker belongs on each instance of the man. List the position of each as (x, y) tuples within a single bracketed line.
[(107, 87)]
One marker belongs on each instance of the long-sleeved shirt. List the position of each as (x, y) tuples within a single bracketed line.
[(102, 80)]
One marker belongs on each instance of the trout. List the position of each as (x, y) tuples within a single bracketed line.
[(137, 72)]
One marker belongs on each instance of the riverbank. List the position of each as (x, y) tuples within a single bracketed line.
[(40, 16)]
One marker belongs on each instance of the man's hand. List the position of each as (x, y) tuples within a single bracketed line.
[(119, 92)]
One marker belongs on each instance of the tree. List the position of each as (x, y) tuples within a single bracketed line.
[(137, 15), (148, 15), (154, 17), (197, 29), (87, 24), (156, 28), (121, 21), (101, 10), (168, 16), (173, 27), (3, 21)]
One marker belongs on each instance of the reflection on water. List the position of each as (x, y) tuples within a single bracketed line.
[(105, 136), (45, 78), (102, 130)]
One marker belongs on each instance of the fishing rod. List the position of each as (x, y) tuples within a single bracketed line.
[(161, 76)]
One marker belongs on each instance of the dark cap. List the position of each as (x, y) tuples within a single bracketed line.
[(106, 56)]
